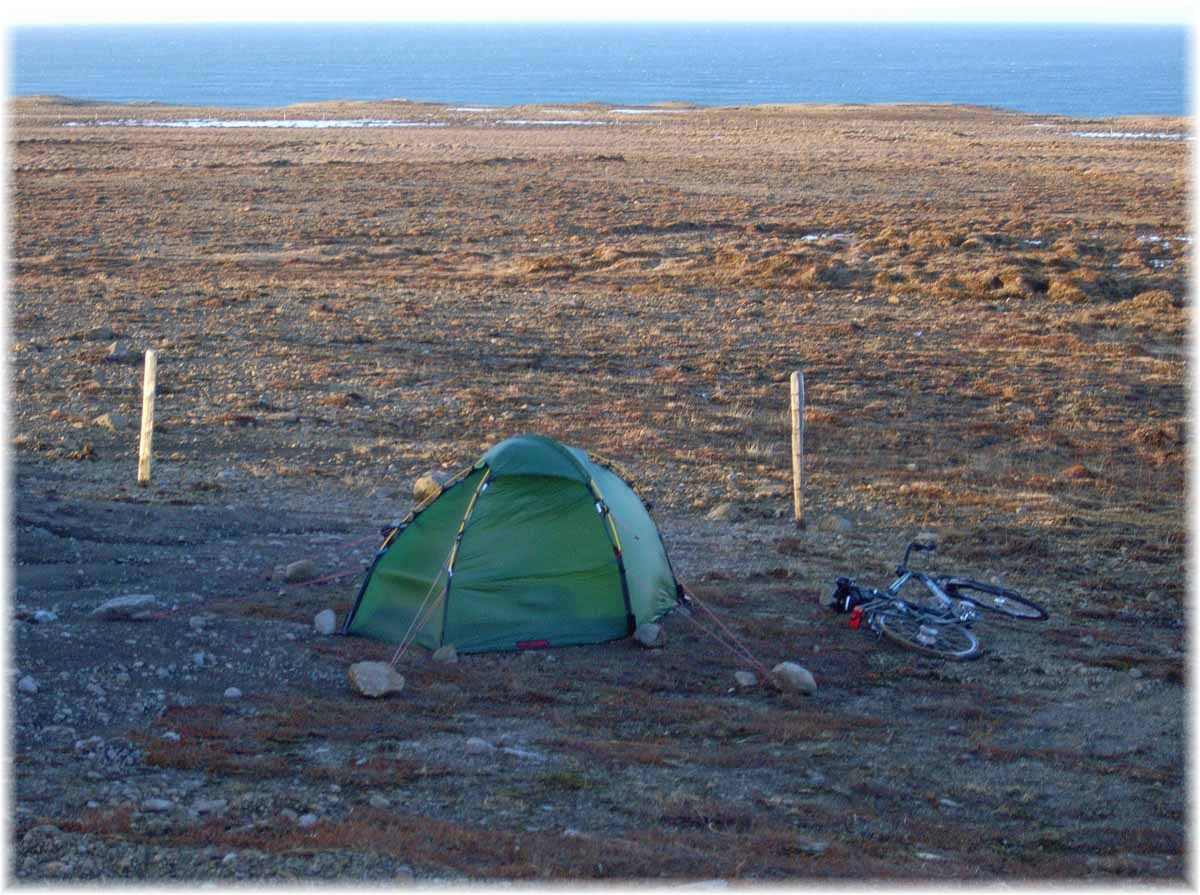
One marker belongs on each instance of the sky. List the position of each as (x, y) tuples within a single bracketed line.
[(123, 11)]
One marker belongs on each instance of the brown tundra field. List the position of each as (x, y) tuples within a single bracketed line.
[(990, 309)]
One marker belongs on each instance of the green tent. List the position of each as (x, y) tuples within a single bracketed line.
[(534, 545)]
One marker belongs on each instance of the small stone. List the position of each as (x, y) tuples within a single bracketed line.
[(527, 754), (300, 570), (835, 523), (724, 512), (209, 806), (100, 333), (230, 859), (171, 736), (650, 635), (446, 653), (41, 836), (378, 801), (119, 353), (770, 490), (113, 422), (428, 486), (810, 846), (926, 539), (745, 679), (131, 607), (375, 679), (793, 677), (157, 805), (306, 820), (233, 693), (479, 746), (44, 617), (325, 621), (28, 684)]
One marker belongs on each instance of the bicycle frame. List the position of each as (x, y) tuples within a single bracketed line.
[(942, 601)]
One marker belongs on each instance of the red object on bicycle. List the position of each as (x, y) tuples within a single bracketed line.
[(856, 616)]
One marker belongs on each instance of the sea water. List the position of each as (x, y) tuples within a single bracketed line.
[(1082, 70)]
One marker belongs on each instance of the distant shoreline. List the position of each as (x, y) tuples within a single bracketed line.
[(357, 113)]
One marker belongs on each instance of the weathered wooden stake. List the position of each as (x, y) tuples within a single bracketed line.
[(798, 446), (147, 418)]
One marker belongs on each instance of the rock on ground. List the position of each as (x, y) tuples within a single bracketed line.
[(375, 679), (447, 654), (650, 635), (835, 523), (325, 621), (724, 512), (300, 570), (792, 677), (114, 422), (478, 745), (745, 678), (428, 486), (131, 607)]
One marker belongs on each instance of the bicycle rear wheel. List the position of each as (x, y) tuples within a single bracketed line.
[(994, 599), (944, 639)]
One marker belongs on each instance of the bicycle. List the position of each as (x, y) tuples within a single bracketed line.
[(941, 624)]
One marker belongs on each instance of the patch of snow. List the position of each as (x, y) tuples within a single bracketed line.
[(816, 237), (1131, 135)]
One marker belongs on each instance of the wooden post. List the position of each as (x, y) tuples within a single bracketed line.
[(798, 446), (147, 418)]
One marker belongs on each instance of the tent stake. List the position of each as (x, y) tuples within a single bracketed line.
[(143, 478), (798, 446)]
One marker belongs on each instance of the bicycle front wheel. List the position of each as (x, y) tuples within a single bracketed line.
[(991, 598), (944, 639)]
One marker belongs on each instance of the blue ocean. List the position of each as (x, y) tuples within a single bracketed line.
[(1084, 70)]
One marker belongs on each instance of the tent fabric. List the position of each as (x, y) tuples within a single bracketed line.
[(535, 545)]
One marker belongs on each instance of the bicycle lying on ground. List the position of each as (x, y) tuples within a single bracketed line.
[(939, 624)]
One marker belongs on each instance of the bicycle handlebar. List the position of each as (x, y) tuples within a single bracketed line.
[(914, 545)]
